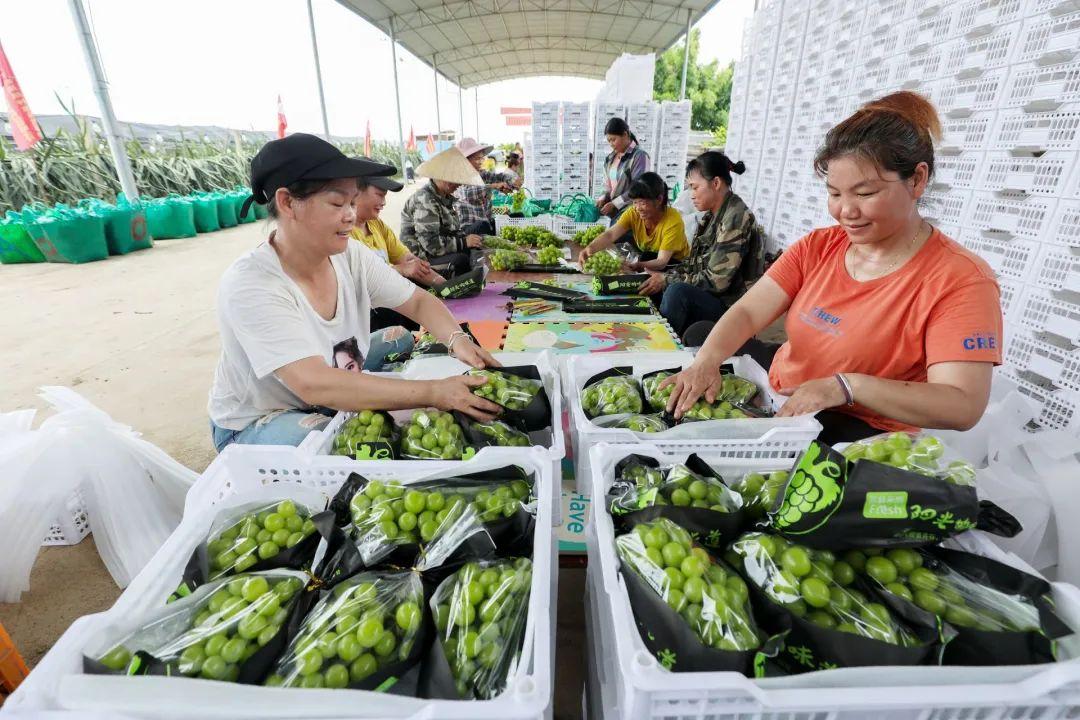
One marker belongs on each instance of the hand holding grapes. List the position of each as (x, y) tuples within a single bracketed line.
[(608, 209), (469, 353), (656, 283), (455, 393), (474, 241), (810, 397), (690, 384)]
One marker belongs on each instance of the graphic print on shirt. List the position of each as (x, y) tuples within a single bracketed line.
[(981, 341), (347, 355), (822, 320)]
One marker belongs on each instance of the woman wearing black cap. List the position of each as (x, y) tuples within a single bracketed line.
[(291, 309)]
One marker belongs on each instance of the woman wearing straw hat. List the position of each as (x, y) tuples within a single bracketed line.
[(474, 202), (430, 225), (294, 311)]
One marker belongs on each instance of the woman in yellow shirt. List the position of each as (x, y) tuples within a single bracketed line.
[(656, 229)]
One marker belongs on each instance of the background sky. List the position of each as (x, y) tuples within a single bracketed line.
[(224, 62)]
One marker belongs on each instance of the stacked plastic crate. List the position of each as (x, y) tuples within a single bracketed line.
[(542, 162), (739, 84), (670, 160), (600, 148), (574, 141), (644, 122)]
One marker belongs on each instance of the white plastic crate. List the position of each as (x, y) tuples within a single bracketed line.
[(960, 172), (1053, 7), (945, 206), (877, 80), (846, 25), (1011, 258), (1010, 293), (979, 17), (885, 41), (921, 66), (565, 228), (1024, 216), (1044, 175), (321, 442), (71, 525), (1037, 131), (1058, 363), (1058, 408), (1065, 226), (783, 235), (58, 681), (970, 56), (888, 15), (777, 438), (971, 133), (1041, 88), (1042, 311), (961, 97), (540, 221), (933, 24), (628, 683), (1050, 39)]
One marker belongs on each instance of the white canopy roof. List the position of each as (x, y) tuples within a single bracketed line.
[(472, 42)]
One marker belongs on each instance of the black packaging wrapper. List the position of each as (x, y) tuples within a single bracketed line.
[(619, 284), (537, 414)]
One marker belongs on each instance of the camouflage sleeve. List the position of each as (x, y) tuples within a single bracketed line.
[(724, 259), (425, 237)]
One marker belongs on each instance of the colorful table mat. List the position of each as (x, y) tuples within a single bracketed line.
[(490, 304), (489, 333), (589, 337)]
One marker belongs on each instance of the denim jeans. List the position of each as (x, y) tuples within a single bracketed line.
[(290, 427), (684, 304)]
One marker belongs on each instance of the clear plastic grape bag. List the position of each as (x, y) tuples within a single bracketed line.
[(365, 633), (833, 616), (637, 423), (1002, 616), (917, 452), (691, 494), (230, 629), (370, 434), (693, 612), (612, 392), (480, 616), (760, 489), (433, 435), (733, 400), (495, 433), (511, 391)]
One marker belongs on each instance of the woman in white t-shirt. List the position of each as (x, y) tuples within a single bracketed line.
[(294, 312)]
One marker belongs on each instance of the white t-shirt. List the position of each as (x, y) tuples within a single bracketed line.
[(267, 322)]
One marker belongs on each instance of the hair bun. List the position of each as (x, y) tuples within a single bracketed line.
[(739, 168), (911, 106)]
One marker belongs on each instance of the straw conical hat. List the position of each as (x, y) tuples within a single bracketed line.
[(450, 166)]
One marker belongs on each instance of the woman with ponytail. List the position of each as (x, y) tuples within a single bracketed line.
[(727, 240), (891, 326), (624, 164)]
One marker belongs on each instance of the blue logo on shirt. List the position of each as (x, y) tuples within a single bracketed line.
[(827, 317), (981, 341)]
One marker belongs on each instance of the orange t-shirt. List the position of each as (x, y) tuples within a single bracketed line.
[(942, 305)]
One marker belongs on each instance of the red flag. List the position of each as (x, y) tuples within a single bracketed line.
[(430, 145), (411, 145), (281, 123), (24, 127), (367, 140)]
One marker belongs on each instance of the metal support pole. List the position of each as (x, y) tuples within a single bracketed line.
[(461, 111), (397, 95), (318, 70), (101, 90), (476, 101), (686, 54), (438, 112)]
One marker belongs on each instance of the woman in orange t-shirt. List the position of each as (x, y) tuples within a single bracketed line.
[(890, 324)]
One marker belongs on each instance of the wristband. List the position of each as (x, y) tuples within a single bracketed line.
[(453, 338), (846, 387)]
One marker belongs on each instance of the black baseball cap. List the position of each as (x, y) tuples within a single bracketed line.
[(384, 183), (301, 156)]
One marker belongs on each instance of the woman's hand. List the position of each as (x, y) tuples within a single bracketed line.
[(635, 266), (608, 209), (812, 396), (585, 254), (600, 202), (470, 353), (455, 393), (474, 241), (656, 283), (690, 384)]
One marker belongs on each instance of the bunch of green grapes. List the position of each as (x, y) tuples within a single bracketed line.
[(549, 255), (517, 201), (511, 233), (258, 536), (760, 490), (586, 236), (611, 396), (502, 434), (944, 592), (640, 423), (492, 242), (815, 585), (480, 618), (432, 435), (733, 390), (921, 454), (602, 263), (510, 391), (642, 475), (711, 599), (241, 616), (533, 236), (685, 488), (509, 259), (365, 427), (367, 622)]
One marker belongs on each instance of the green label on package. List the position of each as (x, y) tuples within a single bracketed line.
[(886, 505)]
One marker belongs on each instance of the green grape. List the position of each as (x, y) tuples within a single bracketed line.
[(504, 260), (586, 236), (602, 263), (510, 391), (432, 435), (366, 426), (612, 396), (237, 547), (916, 453), (502, 434), (549, 255)]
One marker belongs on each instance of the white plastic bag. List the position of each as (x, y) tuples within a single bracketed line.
[(690, 216), (134, 491)]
